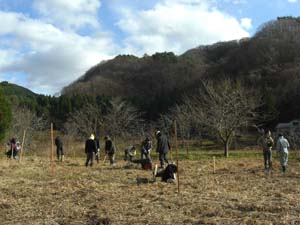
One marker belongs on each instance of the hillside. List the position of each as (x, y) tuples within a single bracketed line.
[(10, 89), (151, 82), (269, 61)]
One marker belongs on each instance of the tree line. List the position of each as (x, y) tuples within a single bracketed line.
[(220, 111)]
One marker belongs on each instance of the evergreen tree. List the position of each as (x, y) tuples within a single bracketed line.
[(5, 115)]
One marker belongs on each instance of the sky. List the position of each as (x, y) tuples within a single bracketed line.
[(47, 44)]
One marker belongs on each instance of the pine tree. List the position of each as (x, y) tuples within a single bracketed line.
[(5, 115)]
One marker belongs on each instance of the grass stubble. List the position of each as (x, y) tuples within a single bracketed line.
[(240, 192)]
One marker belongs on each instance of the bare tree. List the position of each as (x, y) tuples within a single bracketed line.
[(224, 109), (165, 124), (122, 119), (25, 119), (85, 121), (185, 121)]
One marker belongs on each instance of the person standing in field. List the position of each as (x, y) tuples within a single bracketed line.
[(146, 149), (12, 148), (282, 147), (163, 147), (110, 150), (266, 142), (59, 149), (90, 150)]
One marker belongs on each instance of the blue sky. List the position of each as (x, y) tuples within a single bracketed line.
[(47, 44)]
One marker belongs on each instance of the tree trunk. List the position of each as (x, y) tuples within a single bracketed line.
[(226, 148)]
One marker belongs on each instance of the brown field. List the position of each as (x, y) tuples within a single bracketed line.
[(239, 193)]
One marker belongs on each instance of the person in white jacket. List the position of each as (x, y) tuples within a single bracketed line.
[(282, 147)]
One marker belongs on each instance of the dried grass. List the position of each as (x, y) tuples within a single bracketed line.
[(239, 193)]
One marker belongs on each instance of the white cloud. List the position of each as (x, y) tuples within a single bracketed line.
[(50, 51), (293, 1), (71, 14), (178, 25), (236, 2), (246, 23), (50, 57)]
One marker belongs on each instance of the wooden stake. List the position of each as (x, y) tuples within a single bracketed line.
[(214, 160), (52, 151), (22, 147), (177, 162), (104, 158)]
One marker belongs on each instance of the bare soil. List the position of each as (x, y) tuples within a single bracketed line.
[(240, 192)]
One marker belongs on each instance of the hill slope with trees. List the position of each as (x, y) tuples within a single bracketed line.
[(158, 87), (269, 62)]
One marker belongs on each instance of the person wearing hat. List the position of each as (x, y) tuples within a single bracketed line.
[(110, 150), (90, 150), (282, 147), (163, 147)]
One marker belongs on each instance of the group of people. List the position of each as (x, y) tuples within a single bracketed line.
[(14, 148), (92, 150), (282, 146), (92, 147)]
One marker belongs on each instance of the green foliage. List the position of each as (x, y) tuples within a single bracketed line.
[(165, 57), (5, 114)]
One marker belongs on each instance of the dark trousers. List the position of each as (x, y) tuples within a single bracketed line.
[(10, 152), (145, 155), (267, 159), (97, 156), (111, 158), (163, 159), (59, 153), (89, 158)]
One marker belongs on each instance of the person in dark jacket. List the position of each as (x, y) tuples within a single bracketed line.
[(168, 174), (146, 149), (90, 150), (59, 149), (110, 150), (12, 148), (163, 147)]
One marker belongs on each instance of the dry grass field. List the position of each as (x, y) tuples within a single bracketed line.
[(240, 192)]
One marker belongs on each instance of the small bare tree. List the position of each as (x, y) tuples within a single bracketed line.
[(25, 119), (165, 124), (85, 121), (185, 121), (122, 119), (224, 109)]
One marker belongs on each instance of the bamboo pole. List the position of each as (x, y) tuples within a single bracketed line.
[(22, 147), (214, 161), (177, 163), (51, 151)]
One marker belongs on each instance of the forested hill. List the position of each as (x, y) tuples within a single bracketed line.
[(10, 89), (268, 61)]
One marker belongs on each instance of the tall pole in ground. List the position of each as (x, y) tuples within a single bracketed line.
[(52, 150), (177, 163), (22, 147)]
